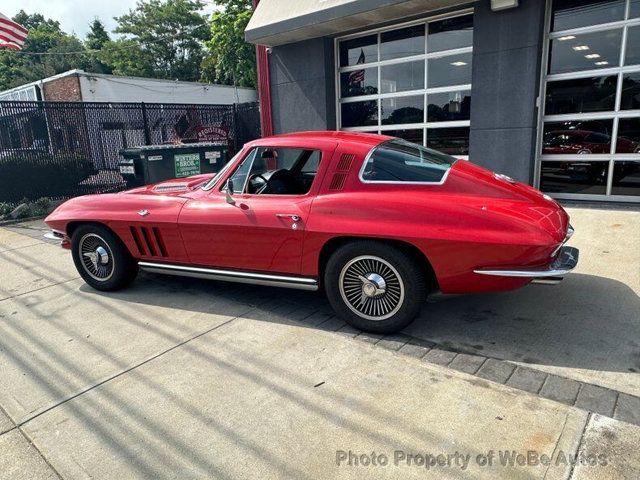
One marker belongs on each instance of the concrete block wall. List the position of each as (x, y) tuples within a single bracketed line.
[(507, 49), (303, 86)]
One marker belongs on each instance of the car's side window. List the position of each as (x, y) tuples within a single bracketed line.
[(277, 171), (397, 161), (312, 164)]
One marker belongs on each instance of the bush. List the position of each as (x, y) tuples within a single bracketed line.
[(6, 208), (35, 174), (40, 208)]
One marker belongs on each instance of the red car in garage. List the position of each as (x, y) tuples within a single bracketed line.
[(378, 223), (584, 142)]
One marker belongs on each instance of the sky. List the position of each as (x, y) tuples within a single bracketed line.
[(75, 15)]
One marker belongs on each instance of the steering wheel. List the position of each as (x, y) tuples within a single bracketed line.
[(262, 187)]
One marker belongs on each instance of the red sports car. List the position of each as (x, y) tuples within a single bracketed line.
[(375, 221)]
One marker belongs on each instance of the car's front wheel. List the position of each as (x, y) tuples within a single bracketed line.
[(375, 286), (101, 258)]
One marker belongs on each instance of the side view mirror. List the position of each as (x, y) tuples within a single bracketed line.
[(229, 190)]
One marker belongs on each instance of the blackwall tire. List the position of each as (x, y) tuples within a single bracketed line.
[(374, 286), (100, 257)]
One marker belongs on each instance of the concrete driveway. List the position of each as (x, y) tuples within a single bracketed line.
[(179, 378)]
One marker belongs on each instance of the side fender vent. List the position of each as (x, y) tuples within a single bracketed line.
[(148, 241), (337, 182), (137, 240), (346, 160)]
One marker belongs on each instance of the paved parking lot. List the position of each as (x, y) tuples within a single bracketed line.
[(186, 378)]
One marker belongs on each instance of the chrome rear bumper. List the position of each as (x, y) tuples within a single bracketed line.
[(566, 261)]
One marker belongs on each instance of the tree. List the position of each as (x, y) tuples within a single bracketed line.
[(126, 57), (166, 34), (229, 58), (96, 40), (97, 36), (45, 35), (36, 21), (159, 39)]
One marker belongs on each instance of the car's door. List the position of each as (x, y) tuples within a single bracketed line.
[(260, 231)]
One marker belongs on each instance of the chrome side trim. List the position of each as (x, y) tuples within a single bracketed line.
[(300, 283), (566, 261)]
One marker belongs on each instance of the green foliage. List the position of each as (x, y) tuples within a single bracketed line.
[(165, 35), (229, 59), (6, 208), (97, 36), (96, 40), (168, 39), (44, 36), (36, 21), (40, 208), (125, 57)]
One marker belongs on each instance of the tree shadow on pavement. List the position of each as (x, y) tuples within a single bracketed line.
[(585, 322)]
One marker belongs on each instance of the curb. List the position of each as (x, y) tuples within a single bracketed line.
[(13, 221)]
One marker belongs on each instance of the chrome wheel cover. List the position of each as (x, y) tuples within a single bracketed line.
[(96, 257), (371, 287)]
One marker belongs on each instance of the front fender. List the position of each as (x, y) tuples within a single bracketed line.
[(125, 214)]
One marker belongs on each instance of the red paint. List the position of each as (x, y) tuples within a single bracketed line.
[(473, 220), (264, 87)]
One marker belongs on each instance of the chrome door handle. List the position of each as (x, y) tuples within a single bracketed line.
[(295, 218)]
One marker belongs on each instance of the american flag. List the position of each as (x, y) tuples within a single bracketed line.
[(12, 34), (356, 78)]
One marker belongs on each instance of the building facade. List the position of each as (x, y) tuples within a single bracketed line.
[(547, 92), (80, 86)]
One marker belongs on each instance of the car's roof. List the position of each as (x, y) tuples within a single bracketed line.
[(365, 139)]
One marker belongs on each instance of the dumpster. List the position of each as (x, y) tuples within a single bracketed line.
[(154, 163)]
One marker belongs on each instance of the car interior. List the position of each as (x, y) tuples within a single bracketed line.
[(277, 171)]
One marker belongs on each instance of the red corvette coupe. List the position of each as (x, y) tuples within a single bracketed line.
[(375, 221)]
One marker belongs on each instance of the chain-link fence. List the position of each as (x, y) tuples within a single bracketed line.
[(65, 149)]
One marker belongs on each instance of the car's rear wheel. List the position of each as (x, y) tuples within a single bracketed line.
[(101, 258), (375, 286)]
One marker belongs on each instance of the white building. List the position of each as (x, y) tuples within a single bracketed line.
[(80, 86)]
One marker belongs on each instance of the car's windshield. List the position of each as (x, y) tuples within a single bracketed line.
[(402, 161), (211, 183)]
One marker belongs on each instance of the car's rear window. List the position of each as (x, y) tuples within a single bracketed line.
[(402, 161)]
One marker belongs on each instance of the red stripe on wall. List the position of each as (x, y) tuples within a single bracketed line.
[(264, 87)]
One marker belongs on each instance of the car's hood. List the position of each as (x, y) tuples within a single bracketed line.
[(163, 201), (174, 187)]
